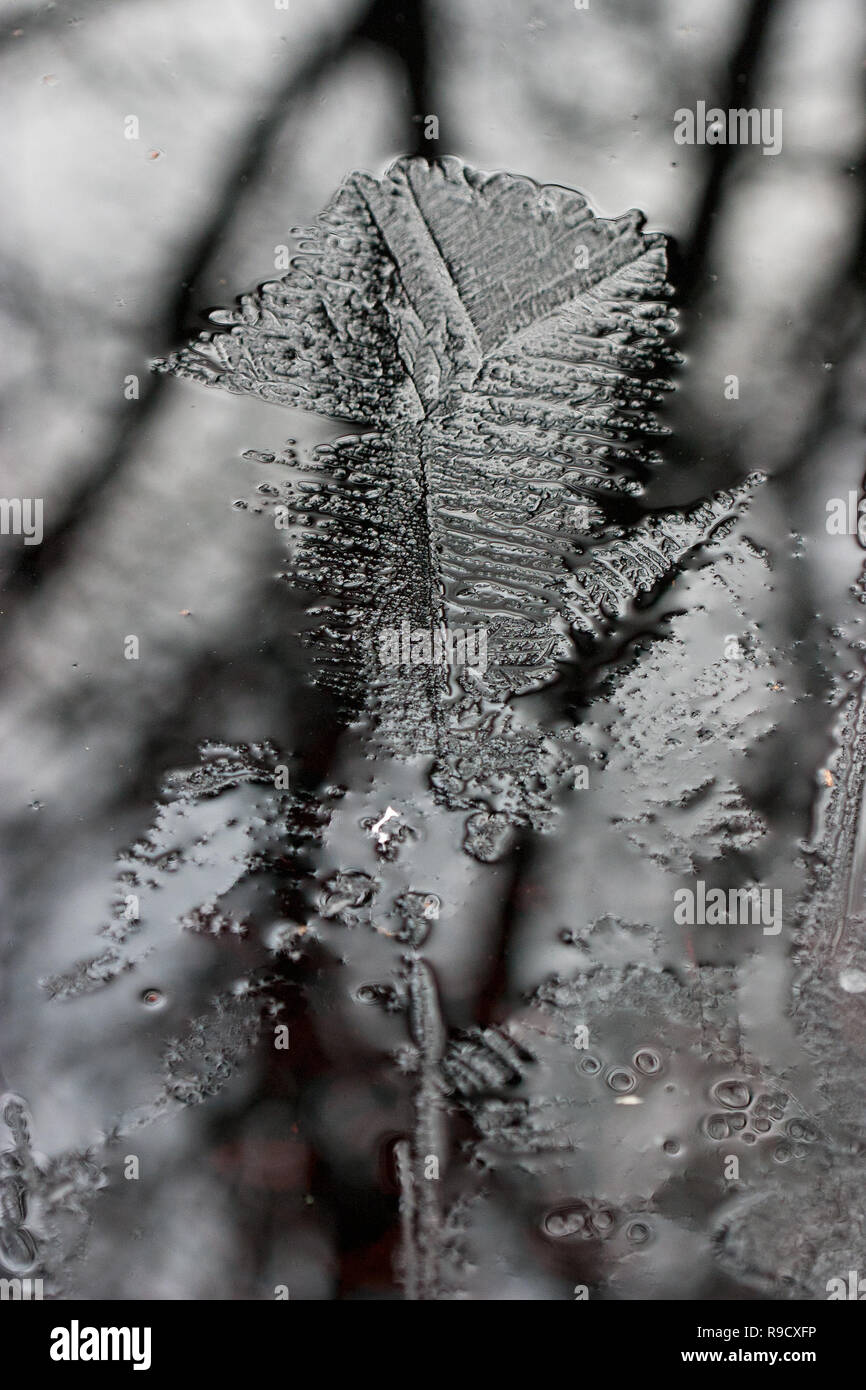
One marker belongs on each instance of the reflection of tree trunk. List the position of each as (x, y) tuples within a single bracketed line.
[(743, 69)]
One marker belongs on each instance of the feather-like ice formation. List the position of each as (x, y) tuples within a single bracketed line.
[(508, 350)]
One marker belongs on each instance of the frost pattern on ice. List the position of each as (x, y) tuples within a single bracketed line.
[(505, 351), (508, 349)]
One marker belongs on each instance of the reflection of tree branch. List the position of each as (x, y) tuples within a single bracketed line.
[(743, 66), (404, 35), (32, 563), (831, 325), (826, 322), (404, 30), (835, 329)]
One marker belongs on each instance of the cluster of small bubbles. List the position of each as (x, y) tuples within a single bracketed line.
[(596, 1220), (565, 1223), (588, 1220), (767, 1113)]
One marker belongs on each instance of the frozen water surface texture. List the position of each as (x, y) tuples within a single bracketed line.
[(433, 815)]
